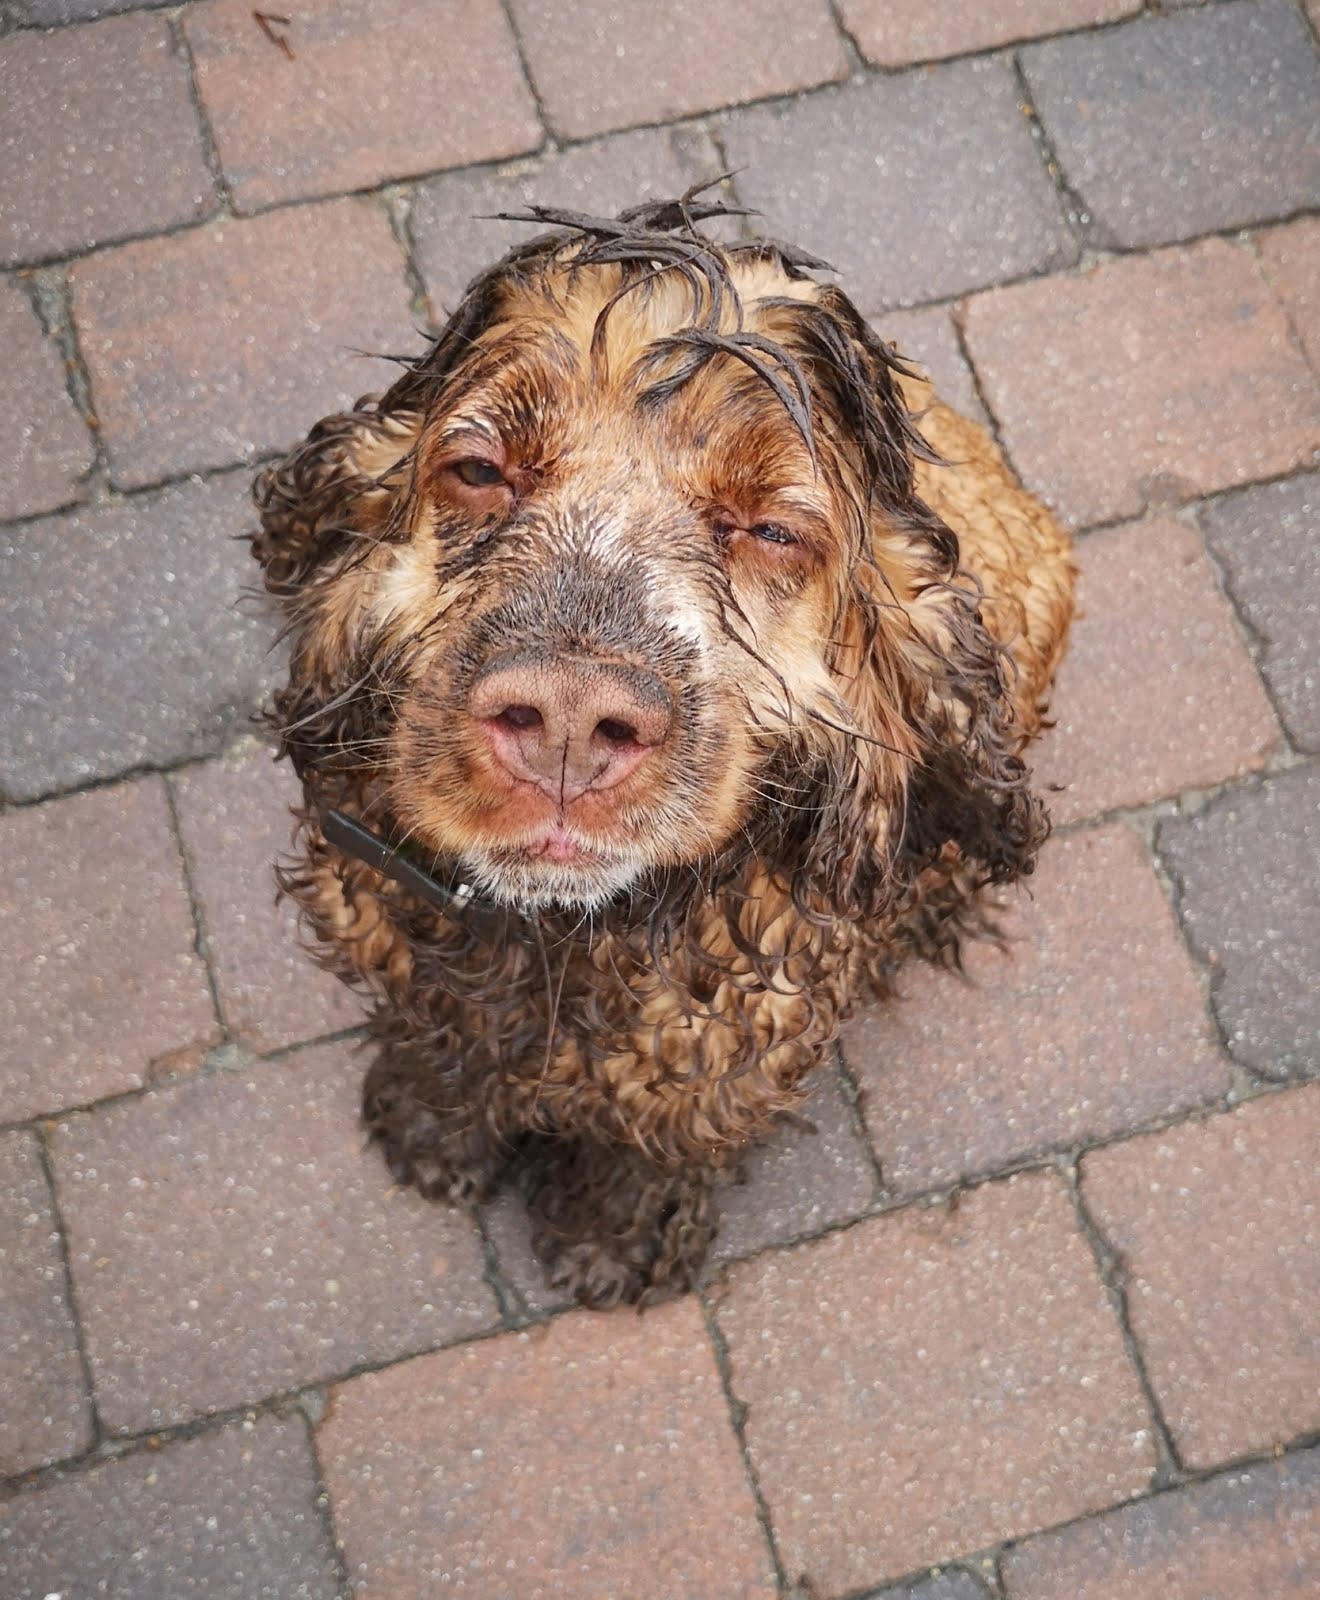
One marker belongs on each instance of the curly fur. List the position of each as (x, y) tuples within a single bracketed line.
[(694, 462)]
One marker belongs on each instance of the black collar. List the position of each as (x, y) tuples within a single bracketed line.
[(456, 899)]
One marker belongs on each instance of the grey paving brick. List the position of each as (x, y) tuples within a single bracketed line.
[(1176, 126), (1249, 875), (1266, 539), (100, 985), (229, 1515), (44, 1410), (1246, 1535), (98, 138), (915, 187), (952, 1585), (123, 645), (454, 241), (230, 1238), (47, 443), (629, 62)]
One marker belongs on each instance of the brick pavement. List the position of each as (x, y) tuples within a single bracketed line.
[(1034, 1311)]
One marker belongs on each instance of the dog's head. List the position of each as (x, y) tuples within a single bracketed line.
[(627, 578)]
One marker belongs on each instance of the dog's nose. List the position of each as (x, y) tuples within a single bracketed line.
[(569, 724)]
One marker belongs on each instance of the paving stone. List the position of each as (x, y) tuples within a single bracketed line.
[(929, 1382), (49, 447), (55, 13), (915, 187), (892, 33), (229, 1515), (1292, 264), (118, 151), (296, 298), (450, 220), (952, 1585), (1244, 1536), (799, 1182), (1248, 870), (44, 1412), (1091, 1023), (371, 92), (1156, 693), (1147, 379), (234, 816), (928, 341), (1217, 1229), (100, 987), (1264, 540), (634, 62), (123, 643), (591, 1458), (230, 1238), (1177, 126)]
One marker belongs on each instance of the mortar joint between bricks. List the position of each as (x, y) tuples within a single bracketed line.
[(321, 1500), (738, 1411), (201, 943), (1169, 1469), (549, 144), (958, 321), (46, 1155), (858, 67), (1074, 211), (52, 300), (205, 132), (397, 200)]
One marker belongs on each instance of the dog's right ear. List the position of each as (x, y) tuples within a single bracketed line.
[(334, 496)]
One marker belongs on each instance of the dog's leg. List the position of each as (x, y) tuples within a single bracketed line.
[(433, 1134), (612, 1226)]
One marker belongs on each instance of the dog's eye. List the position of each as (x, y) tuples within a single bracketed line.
[(772, 533), (478, 474)]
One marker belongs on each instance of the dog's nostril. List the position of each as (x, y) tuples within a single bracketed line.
[(520, 718), (616, 732)]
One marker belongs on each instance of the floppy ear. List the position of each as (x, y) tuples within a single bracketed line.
[(342, 488)]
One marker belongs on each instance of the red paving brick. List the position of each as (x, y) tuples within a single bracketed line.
[(1157, 692), (1292, 264), (372, 92), (1217, 1230), (98, 138), (593, 1458), (234, 816), (1178, 126), (127, 642), (634, 62), (49, 447), (230, 1238), (1147, 379), (44, 1413), (229, 1515), (929, 1382), (1249, 1535), (933, 185), (210, 347), (99, 982), (1092, 1023), (892, 33)]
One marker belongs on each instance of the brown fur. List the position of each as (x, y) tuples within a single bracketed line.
[(703, 469)]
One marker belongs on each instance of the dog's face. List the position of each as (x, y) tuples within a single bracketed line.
[(632, 571)]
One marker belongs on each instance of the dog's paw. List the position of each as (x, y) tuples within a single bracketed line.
[(442, 1156)]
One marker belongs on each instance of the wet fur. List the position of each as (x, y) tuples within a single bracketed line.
[(846, 775)]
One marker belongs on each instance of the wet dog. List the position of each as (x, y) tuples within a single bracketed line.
[(659, 681)]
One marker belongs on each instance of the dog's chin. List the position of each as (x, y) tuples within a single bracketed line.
[(529, 882)]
